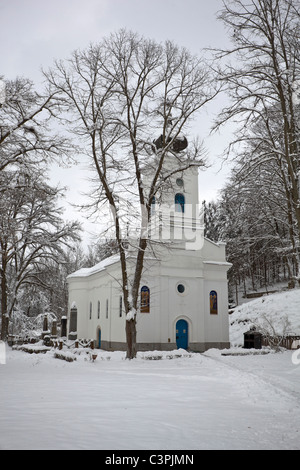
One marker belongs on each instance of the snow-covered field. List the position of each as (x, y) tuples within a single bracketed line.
[(180, 401), (196, 401)]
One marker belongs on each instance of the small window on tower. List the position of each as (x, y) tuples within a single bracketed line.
[(179, 202), (153, 205)]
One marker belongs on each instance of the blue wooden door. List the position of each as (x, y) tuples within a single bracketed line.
[(99, 338), (182, 334)]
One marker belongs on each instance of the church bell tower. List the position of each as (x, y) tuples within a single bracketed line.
[(176, 209)]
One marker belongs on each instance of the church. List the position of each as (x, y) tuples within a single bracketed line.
[(183, 293)]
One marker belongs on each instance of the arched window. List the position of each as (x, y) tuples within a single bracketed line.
[(91, 310), (145, 299), (98, 312), (153, 202), (179, 202), (213, 300)]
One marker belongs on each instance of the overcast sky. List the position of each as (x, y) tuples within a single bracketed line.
[(33, 33)]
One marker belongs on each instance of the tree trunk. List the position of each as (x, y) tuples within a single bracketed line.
[(131, 324), (131, 338), (4, 317)]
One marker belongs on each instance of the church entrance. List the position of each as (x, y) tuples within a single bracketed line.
[(182, 334)]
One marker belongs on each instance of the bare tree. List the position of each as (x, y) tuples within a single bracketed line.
[(32, 232), (263, 84), (119, 95), (273, 331), (26, 136)]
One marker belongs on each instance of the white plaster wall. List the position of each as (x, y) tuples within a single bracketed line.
[(216, 326), (214, 251), (77, 296), (98, 287), (167, 306)]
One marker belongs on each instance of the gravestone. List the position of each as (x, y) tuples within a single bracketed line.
[(54, 329), (73, 324), (46, 331), (63, 333)]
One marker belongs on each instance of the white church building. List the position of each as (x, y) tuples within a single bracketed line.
[(183, 293)]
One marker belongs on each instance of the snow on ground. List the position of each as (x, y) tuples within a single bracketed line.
[(181, 401), (230, 399), (278, 309)]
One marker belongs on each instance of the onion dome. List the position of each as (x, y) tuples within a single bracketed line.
[(179, 144)]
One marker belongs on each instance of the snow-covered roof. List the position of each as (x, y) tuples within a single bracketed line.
[(218, 263), (85, 272)]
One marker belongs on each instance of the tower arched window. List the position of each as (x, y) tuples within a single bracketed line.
[(153, 202), (145, 299), (179, 202), (213, 301)]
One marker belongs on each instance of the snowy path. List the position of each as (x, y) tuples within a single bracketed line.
[(202, 402)]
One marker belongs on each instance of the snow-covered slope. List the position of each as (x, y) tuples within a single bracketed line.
[(281, 310)]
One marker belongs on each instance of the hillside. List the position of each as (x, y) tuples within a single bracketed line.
[(281, 310)]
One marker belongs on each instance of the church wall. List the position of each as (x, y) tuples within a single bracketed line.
[(88, 291), (216, 325), (214, 251), (77, 297), (107, 291), (185, 267), (168, 305), (147, 322), (157, 329)]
